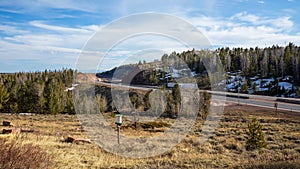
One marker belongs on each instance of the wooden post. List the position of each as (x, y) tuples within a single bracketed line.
[(276, 106), (135, 120)]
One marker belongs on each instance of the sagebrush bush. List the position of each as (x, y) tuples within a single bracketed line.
[(275, 165), (15, 155), (256, 138)]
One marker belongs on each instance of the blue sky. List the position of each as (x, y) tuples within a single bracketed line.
[(45, 34)]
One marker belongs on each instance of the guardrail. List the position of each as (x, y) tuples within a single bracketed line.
[(289, 100)]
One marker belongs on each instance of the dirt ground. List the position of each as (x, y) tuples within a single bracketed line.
[(225, 148)]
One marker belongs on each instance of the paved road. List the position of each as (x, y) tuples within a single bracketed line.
[(143, 88), (266, 103), (254, 100)]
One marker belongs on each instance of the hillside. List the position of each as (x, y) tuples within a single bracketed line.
[(272, 71)]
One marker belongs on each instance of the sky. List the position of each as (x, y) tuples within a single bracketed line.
[(43, 34)]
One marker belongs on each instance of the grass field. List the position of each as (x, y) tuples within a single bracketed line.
[(224, 149)]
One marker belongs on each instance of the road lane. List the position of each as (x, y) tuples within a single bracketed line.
[(254, 100), (267, 104)]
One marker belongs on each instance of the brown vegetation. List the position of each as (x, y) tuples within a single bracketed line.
[(15, 155), (226, 148)]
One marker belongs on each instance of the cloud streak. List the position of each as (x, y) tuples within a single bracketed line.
[(64, 44), (53, 33), (246, 30), (40, 24)]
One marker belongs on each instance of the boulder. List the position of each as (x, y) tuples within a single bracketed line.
[(70, 139), (82, 140), (7, 123), (11, 131), (26, 130)]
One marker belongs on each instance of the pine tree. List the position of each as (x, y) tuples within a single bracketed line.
[(69, 103), (157, 102), (256, 138), (176, 99), (298, 92), (102, 103), (205, 104), (12, 104), (4, 96), (54, 96), (244, 88), (23, 98), (254, 88)]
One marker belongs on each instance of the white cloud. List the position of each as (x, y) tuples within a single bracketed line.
[(10, 11), (11, 29), (240, 29), (51, 46), (138, 32), (241, 0), (244, 16), (280, 23), (40, 24), (39, 5), (57, 44), (283, 23), (261, 2), (246, 30)]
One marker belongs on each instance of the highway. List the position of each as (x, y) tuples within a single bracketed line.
[(119, 85), (265, 103), (243, 99)]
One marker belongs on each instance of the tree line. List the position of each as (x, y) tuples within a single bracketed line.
[(45, 92), (37, 92), (269, 62), (275, 61), (164, 103)]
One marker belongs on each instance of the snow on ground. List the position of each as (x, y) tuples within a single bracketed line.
[(171, 85), (286, 85), (188, 85), (257, 82), (183, 85), (231, 79), (264, 82), (175, 73), (230, 86), (250, 91), (263, 85), (69, 89), (262, 89)]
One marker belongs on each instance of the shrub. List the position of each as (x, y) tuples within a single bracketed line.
[(155, 124), (17, 155), (275, 165), (256, 138)]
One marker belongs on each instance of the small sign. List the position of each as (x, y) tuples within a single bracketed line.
[(119, 119)]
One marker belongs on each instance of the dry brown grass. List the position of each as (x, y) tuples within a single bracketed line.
[(224, 149), (15, 154)]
